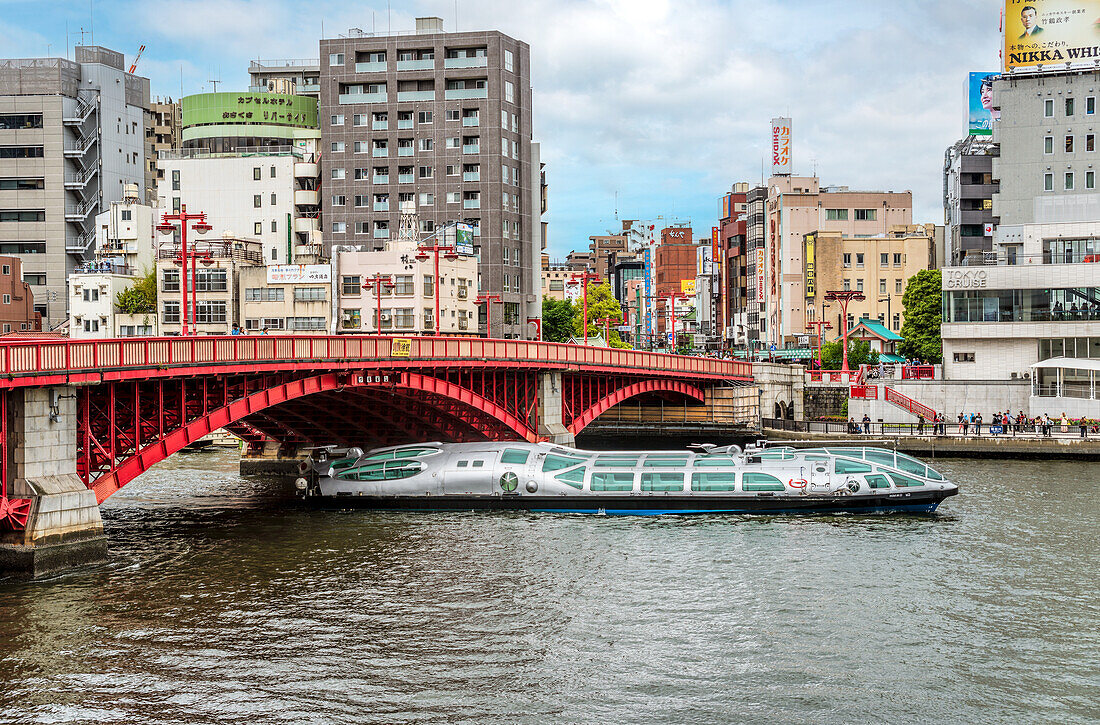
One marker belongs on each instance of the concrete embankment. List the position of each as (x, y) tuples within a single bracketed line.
[(1054, 448)]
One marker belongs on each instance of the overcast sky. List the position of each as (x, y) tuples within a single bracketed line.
[(665, 103)]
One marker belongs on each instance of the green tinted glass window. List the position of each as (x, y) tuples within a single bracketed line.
[(901, 480), (616, 462), (762, 482), (879, 456), (574, 478), (845, 466), (400, 453), (514, 455), (911, 465), (777, 456), (664, 462), (555, 462), (714, 481), (662, 481), (714, 462), (612, 481), (385, 470), (878, 481)]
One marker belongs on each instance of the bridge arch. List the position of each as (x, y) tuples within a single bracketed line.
[(581, 421), (467, 414)]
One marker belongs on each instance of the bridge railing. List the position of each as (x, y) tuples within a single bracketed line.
[(28, 357)]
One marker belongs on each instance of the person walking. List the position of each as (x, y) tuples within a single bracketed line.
[(962, 423)]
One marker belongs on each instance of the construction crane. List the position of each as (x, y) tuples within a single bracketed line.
[(133, 66)]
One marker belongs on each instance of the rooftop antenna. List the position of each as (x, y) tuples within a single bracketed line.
[(616, 205), (214, 83)]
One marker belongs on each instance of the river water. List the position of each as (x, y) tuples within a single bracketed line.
[(224, 601)]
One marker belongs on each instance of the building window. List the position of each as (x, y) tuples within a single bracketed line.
[(274, 226), (509, 91), (859, 285), (452, 115), (263, 294), (272, 172), (508, 60), (336, 59), (90, 295), (425, 144), (1048, 182), (351, 320), (337, 173), (961, 357), (171, 280), (1090, 105), (896, 322), (309, 294), (175, 179), (337, 147), (847, 260), (258, 228), (1069, 181), (897, 259), (425, 172), (424, 117), (339, 200), (351, 285), (866, 215), (1048, 145), (1090, 179), (836, 215), (1069, 144), (1069, 106), (338, 227), (256, 201), (882, 286), (847, 285), (172, 312), (898, 286), (859, 260), (427, 199), (257, 173), (337, 120), (884, 259), (305, 323), (403, 285), (428, 289)]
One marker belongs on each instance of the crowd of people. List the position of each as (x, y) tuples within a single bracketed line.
[(998, 424)]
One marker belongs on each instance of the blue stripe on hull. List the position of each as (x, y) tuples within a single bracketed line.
[(915, 509)]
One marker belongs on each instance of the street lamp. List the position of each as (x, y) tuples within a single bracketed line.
[(422, 256), (886, 299), (376, 284), (844, 297), (198, 223), (607, 327), (821, 326), (672, 299), (583, 278), (488, 301), (537, 322)]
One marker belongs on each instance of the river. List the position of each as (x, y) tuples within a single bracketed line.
[(224, 601)]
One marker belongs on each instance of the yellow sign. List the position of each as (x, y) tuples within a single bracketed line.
[(687, 286), (810, 265), (1051, 33), (402, 346)]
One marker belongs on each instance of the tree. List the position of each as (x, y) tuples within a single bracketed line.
[(859, 353), (923, 315), (140, 297), (557, 319), (601, 304)]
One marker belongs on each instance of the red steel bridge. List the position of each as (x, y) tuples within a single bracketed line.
[(138, 401)]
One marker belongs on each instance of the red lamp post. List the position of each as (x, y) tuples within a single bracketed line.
[(198, 223), (672, 299), (375, 284), (448, 254), (607, 327), (488, 301), (537, 322), (844, 297), (583, 278), (821, 326)]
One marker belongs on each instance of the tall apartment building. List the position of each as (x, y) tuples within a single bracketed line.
[(756, 202), (72, 135), (731, 268), (163, 132), (968, 190), (443, 120), (798, 205)]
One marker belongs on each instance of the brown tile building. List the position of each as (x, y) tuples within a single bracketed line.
[(17, 313)]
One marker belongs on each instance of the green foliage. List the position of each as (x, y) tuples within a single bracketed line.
[(923, 315), (859, 353), (557, 319), (683, 343), (601, 303), (140, 297)]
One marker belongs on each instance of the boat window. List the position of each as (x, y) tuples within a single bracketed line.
[(877, 480), (777, 456), (514, 455), (846, 466), (714, 481), (385, 470), (400, 453), (664, 462), (462, 464), (611, 481), (911, 465), (932, 473), (879, 456), (479, 464), (616, 462), (901, 480), (663, 481), (555, 462), (761, 482), (714, 462), (574, 478)]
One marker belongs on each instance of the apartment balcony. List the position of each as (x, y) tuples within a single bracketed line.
[(381, 233), (476, 62), (380, 153), (380, 125), (403, 124), (305, 225), (309, 88), (973, 216), (461, 94), (372, 67), (423, 64), (405, 178), (381, 206), (471, 203), (307, 197), (471, 148), (469, 121), (405, 150), (416, 95), (471, 176), (306, 169), (346, 98)]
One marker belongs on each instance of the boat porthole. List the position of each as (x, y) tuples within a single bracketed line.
[(509, 482), (532, 487)]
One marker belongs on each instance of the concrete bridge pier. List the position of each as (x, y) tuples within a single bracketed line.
[(64, 529), (549, 424)]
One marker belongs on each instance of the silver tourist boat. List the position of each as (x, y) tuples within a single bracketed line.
[(548, 477)]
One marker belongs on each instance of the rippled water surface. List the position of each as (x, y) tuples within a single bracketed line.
[(224, 601)]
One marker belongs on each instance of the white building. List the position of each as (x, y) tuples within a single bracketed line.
[(92, 310), (125, 241)]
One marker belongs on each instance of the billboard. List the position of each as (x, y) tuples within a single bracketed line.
[(295, 273), (687, 286), (781, 146), (810, 264), (980, 113), (275, 109), (1045, 35), (647, 264)]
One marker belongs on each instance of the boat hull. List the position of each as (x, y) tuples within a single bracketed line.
[(924, 502)]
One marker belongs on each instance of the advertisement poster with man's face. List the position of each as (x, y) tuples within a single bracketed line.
[(1051, 33), (980, 114)]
